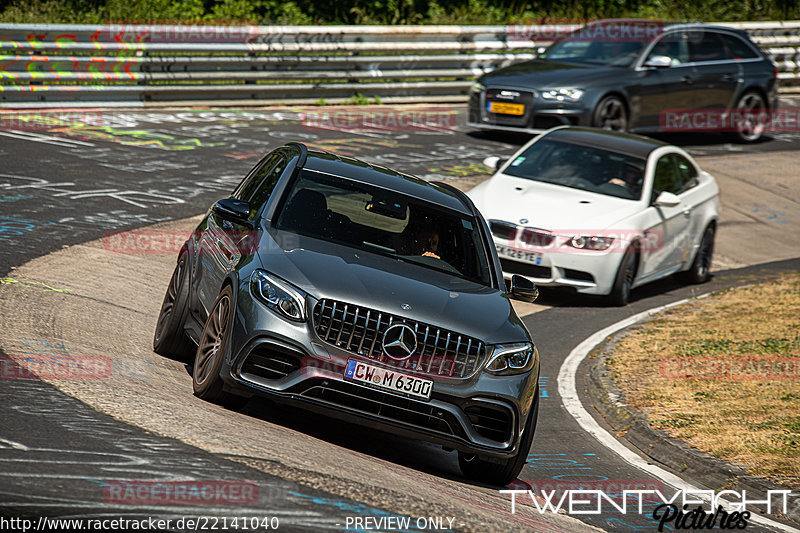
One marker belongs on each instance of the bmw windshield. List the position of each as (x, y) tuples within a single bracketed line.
[(581, 167), (385, 222)]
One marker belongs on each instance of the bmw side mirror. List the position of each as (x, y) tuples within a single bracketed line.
[(523, 289), (494, 162), (234, 210), (658, 62), (667, 199)]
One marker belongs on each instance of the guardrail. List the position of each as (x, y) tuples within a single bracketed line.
[(47, 65)]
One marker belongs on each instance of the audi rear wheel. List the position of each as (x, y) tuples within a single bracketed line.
[(611, 114)]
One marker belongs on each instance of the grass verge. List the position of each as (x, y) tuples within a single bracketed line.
[(723, 374)]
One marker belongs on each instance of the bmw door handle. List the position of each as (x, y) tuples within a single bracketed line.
[(728, 77), (687, 80)]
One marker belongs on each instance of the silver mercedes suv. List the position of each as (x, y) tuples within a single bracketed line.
[(363, 293)]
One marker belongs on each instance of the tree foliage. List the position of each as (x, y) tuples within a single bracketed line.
[(386, 11)]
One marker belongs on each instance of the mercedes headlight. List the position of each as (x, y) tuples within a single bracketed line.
[(591, 242), (563, 95), (477, 87), (278, 295), (510, 359)]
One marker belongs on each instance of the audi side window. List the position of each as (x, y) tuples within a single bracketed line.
[(264, 182), (686, 171), (706, 46), (674, 46), (737, 48), (666, 178)]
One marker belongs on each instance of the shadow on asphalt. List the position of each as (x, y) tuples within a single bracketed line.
[(684, 139), (704, 139), (402, 451), (566, 297), (507, 137)]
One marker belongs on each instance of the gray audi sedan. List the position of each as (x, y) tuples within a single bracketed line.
[(634, 75), (365, 294)]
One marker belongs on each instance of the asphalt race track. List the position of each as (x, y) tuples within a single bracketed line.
[(65, 443)]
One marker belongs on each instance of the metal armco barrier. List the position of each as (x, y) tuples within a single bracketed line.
[(47, 65)]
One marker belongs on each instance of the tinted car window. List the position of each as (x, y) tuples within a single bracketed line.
[(264, 183), (385, 222), (737, 48), (673, 174), (580, 167), (674, 46), (245, 189), (248, 187), (706, 46), (687, 172)]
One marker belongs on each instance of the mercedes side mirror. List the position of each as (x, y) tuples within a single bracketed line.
[(523, 289), (234, 210)]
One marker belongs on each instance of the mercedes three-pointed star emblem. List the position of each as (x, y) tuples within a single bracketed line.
[(399, 342)]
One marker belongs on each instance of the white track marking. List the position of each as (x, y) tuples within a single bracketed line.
[(47, 139), (568, 391)]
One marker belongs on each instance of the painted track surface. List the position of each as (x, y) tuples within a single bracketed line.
[(70, 184)]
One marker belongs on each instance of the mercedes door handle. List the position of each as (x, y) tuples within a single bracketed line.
[(687, 79), (224, 250)]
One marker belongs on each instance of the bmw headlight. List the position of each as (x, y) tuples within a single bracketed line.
[(477, 87), (278, 295), (563, 95), (591, 242), (510, 359)]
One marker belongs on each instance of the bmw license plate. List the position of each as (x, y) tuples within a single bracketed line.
[(383, 378), (511, 253)]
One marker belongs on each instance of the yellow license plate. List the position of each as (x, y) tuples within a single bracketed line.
[(506, 109)]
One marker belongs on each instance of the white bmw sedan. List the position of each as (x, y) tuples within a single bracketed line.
[(600, 211)]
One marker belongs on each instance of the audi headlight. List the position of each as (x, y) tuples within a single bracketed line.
[(508, 359), (477, 87), (591, 242), (278, 295), (563, 95)]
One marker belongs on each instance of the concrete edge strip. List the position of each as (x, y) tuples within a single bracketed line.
[(567, 389)]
